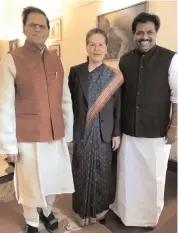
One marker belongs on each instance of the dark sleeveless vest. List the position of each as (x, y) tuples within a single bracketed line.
[(146, 92)]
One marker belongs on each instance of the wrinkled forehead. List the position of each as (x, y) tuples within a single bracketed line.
[(148, 26), (36, 18)]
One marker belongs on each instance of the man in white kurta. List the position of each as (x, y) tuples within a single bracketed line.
[(42, 169), (150, 74)]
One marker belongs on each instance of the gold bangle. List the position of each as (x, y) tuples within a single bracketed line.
[(173, 126)]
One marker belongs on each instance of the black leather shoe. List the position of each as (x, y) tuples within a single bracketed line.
[(147, 229), (51, 223), (150, 228), (30, 229), (102, 221)]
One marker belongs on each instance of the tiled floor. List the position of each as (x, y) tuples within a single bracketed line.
[(168, 219)]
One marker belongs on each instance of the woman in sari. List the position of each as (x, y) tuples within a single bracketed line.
[(96, 101)]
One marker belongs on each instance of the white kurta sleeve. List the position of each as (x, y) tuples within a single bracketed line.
[(8, 140), (67, 111), (173, 79)]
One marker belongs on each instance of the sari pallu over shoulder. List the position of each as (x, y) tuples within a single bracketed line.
[(105, 95)]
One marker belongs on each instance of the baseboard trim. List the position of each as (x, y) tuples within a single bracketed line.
[(172, 166)]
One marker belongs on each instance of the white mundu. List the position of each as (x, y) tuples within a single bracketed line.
[(141, 171)]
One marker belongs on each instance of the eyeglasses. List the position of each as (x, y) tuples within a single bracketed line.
[(35, 26)]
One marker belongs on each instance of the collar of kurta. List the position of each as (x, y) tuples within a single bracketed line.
[(34, 48)]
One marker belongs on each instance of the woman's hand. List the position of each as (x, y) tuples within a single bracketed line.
[(116, 143)]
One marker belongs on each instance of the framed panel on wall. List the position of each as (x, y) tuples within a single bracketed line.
[(118, 26), (13, 44), (56, 49), (56, 30)]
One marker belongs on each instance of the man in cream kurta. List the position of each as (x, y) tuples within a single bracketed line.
[(43, 169)]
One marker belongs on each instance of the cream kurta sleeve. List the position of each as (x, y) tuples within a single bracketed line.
[(8, 140), (67, 111), (173, 79)]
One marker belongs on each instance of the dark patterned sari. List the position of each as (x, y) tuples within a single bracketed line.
[(92, 157)]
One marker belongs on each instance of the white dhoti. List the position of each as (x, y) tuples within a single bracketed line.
[(141, 173), (42, 169)]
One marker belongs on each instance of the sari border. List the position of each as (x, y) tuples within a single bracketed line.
[(105, 94), (89, 220)]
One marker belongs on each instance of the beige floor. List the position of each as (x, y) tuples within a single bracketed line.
[(11, 218)]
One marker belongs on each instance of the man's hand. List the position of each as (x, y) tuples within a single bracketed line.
[(12, 158), (171, 136), (115, 143), (71, 147)]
